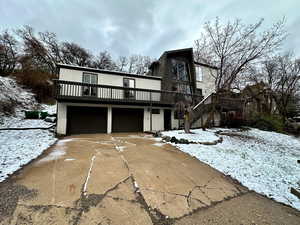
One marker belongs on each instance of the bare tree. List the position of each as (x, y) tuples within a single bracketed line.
[(286, 82), (74, 54), (8, 53), (104, 61), (234, 46), (34, 50), (281, 74), (122, 63), (139, 64)]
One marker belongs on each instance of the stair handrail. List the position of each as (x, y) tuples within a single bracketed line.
[(203, 100)]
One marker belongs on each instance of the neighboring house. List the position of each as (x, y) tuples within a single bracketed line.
[(101, 101)]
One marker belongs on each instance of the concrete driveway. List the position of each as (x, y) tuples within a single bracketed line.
[(129, 179)]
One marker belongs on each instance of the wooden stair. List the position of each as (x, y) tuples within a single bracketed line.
[(215, 103)]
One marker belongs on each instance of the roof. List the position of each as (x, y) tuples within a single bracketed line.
[(187, 50), (207, 65), (94, 70), (179, 50)]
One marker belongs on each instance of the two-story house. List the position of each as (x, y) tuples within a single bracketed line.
[(100, 101)]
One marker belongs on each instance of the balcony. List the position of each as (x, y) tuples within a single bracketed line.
[(68, 91)]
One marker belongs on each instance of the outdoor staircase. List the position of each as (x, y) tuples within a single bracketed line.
[(214, 103), (206, 106)]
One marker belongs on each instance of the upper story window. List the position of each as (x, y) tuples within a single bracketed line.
[(179, 70), (89, 78), (129, 83), (199, 73)]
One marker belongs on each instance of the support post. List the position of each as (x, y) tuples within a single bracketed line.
[(150, 111), (109, 119)]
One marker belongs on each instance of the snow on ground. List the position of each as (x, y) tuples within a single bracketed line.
[(198, 136), (51, 109), (265, 162), (22, 99), (15, 122), (17, 148), (10, 91)]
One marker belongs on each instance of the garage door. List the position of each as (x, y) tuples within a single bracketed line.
[(127, 120), (86, 120)]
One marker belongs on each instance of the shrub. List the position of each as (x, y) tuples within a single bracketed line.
[(39, 82), (32, 114), (43, 115), (269, 123)]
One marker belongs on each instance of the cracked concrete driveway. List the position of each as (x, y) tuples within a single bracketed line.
[(124, 179)]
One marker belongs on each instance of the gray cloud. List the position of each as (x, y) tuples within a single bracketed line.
[(146, 27)]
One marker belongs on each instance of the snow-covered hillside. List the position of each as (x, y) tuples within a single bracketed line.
[(263, 161), (11, 94), (18, 147)]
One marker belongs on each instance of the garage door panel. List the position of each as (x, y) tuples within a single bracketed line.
[(127, 120), (86, 120)]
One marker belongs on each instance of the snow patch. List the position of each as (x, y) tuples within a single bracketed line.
[(50, 109), (63, 141), (19, 147), (265, 162), (88, 175), (159, 144), (69, 159), (198, 135), (54, 155), (120, 148), (136, 185)]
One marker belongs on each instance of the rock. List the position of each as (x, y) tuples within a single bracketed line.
[(183, 141), (295, 192), (174, 140), (157, 134), (298, 161), (166, 138), (50, 119)]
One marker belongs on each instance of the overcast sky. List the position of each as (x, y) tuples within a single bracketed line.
[(146, 27)]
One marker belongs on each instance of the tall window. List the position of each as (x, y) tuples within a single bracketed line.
[(181, 76), (179, 70), (89, 78), (129, 83), (199, 73)]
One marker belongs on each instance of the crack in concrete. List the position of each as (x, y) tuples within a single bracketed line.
[(53, 181), (88, 175), (48, 206), (155, 215), (91, 200), (213, 204), (163, 192)]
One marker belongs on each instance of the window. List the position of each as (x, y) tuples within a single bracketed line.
[(184, 88), (89, 78), (129, 83), (179, 70), (199, 74), (155, 111), (199, 91)]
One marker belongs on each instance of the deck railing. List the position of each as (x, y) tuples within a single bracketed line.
[(69, 90)]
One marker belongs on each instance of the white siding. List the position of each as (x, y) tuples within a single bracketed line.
[(112, 80), (208, 80), (157, 119), (61, 118)]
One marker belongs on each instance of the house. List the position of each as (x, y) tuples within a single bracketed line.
[(100, 101)]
